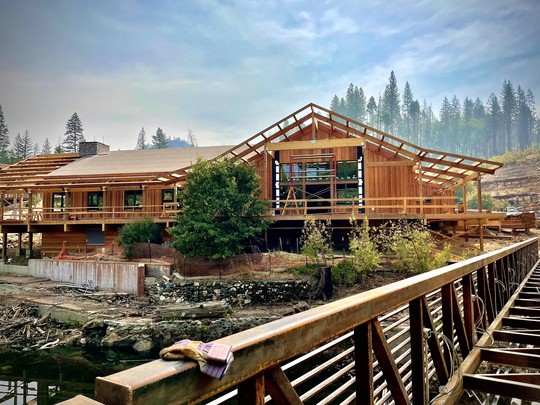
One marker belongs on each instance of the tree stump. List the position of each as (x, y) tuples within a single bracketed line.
[(323, 289)]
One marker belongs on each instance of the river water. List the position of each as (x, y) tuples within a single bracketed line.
[(49, 377)]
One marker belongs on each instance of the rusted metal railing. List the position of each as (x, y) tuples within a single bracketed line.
[(400, 343)]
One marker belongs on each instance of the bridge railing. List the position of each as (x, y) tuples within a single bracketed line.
[(399, 343)]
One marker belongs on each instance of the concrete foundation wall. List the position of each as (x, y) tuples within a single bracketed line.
[(120, 277)]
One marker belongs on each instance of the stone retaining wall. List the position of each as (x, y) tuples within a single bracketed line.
[(234, 292)]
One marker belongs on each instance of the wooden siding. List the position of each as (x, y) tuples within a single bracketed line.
[(51, 242)]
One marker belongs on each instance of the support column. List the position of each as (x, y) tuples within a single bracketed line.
[(479, 191), (30, 250), (19, 245), (4, 247)]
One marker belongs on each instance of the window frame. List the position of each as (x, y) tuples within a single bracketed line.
[(62, 198), (135, 204), (96, 205)]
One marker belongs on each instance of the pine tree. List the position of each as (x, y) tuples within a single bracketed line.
[(22, 147), (141, 140), (191, 138), (35, 150), (4, 138), (46, 149), (414, 113), (372, 111), (360, 98), (493, 125), (74, 134), (334, 104), (408, 99), (509, 111), (455, 128), (445, 119), (425, 136), (350, 100), (524, 121), (159, 140), (390, 109)]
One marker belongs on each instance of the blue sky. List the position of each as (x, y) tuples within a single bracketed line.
[(227, 69)]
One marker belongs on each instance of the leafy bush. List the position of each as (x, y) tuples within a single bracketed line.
[(345, 272), (140, 231), (316, 241), (303, 270), (366, 257), (413, 247)]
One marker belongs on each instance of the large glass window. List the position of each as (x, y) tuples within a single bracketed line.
[(167, 196), (318, 171), (346, 194), (133, 199), (290, 172), (58, 202), (95, 200), (347, 170)]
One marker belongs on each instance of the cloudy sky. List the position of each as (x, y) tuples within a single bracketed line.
[(227, 69)]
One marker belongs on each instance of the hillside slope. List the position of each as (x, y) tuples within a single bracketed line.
[(517, 180)]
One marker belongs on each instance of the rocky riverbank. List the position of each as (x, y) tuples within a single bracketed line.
[(39, 314)]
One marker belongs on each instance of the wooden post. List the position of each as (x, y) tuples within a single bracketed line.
[(2, 206), (30, 206), (479, 190), (29, 251), (420, 191), (418, 353), (251, 391), (19, 245), (363, 359), (4, 247)]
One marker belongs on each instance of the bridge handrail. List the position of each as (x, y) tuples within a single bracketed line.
[(264, 347)]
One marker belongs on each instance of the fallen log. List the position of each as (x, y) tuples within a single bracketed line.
[(212, 309)]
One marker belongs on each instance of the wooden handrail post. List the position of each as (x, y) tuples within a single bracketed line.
[(251, 391), (363, 361), (420, 391)]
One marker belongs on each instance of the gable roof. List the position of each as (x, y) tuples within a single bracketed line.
[(432, 166), (164, 166)]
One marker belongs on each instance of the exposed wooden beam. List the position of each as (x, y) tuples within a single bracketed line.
[(316, 144)]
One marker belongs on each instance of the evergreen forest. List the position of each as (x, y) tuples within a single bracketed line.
[(506, 121)]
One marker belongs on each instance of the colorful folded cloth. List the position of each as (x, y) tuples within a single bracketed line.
[(214, 358)]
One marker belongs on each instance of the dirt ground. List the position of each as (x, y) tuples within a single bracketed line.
[(21, 325)]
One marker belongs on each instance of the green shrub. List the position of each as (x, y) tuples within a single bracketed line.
[(303, 270), (413, 246), (316, 241), (366, 257), (345, 273), (141, 231)]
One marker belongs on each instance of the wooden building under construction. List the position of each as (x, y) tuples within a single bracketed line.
[(313, 162)]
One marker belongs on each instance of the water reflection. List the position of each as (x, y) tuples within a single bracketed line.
[(48, 378)]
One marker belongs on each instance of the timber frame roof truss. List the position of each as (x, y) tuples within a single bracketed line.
[(431, 167), (435, 167)]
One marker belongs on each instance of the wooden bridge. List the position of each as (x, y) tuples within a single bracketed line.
[(470, 328)]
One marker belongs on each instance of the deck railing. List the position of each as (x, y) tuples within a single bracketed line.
[(399, 343), (277, 208)]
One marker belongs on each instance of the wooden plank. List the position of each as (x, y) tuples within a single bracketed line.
[(447, 319), (316, 144), (420, 386), (498, 386), (516, 337), (526, 360), (434, 346), (390, 163), (521, 323), (388, 365), (524, 311), (279, 387), (468, 310), (363, 357), (464, 344), (251, 391)]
